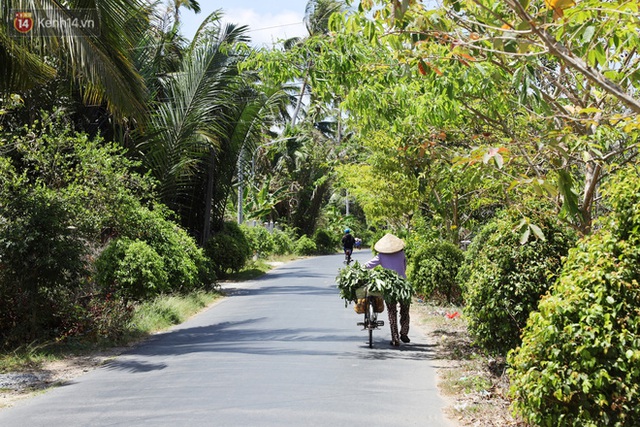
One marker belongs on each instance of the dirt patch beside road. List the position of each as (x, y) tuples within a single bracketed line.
[(474, 384), (16, 386)]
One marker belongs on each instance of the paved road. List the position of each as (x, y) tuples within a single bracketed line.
[(279, 351)]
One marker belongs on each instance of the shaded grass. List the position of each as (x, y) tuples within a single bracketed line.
[(26, 357), (166, 311), (148, 317)]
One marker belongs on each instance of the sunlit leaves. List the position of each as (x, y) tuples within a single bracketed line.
[(559, 6)]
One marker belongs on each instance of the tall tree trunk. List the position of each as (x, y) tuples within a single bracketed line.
[(303, 89), (592, 176), (206, 229)]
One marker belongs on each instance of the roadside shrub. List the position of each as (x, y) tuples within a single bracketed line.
[(228, 249), (579, 362), (62, 196), (283, 242), (184, 262), (94, 316), (205, 273), (325, 244), (508, 276), (131, 269), (434, 269), (39, 253), (305, 246), (474, 251), (260, 240)]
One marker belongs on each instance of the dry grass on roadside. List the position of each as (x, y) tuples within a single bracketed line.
[(475, 384)]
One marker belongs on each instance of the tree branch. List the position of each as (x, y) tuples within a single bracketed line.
[(561, 52)]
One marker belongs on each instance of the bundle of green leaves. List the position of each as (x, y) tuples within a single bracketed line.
[(393, 287)]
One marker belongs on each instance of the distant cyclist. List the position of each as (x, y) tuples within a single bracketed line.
[(347, 244)]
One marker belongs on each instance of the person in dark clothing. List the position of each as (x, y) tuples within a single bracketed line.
[(347, 244)]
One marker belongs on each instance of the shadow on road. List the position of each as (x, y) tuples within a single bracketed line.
[(272, 290), (383, 351), (248, 338), (134, 366)]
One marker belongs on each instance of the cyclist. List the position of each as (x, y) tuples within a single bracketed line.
[(347, 244), (391, 255)]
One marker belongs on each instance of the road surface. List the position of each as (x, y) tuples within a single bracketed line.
[(278, 351)]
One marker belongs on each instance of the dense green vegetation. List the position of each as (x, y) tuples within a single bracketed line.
[(128, 158), (506, 277), (578, 362)]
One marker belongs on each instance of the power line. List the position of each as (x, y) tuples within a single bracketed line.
[(275, 26)]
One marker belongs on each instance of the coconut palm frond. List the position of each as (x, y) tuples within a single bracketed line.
[(97, 56), (188, 128)]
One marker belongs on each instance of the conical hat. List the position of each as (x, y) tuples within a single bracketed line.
[(389, 244)]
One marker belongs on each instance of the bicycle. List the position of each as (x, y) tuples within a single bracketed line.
[(370, 305), (347, 256)]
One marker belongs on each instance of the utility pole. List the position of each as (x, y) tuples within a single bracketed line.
[(346, 203)]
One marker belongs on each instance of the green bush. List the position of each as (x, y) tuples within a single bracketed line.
[(325, 243), (579, 362), (507, 277), (184, 263), (39, 254), (283, 242), (228, 249), (60, 195), (99, 317), (433, 272), (131, 269), (474, 251), (260, 240), (305, 246)]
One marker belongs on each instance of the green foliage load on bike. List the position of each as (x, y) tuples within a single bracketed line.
[(392, 286)]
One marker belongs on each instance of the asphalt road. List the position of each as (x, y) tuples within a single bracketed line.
[(279, 351)]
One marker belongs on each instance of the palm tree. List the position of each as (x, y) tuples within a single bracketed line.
[(210, 111), (99, 62), (187, 4), (317, 14)]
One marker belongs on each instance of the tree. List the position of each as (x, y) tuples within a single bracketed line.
[(207, 113), (579, 132), (98, 62), (316, 19), (298, 169), (187, 4)]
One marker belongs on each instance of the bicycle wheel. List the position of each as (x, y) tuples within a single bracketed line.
[(371, 314)]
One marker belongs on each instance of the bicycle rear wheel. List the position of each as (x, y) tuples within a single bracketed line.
[(372, 315)]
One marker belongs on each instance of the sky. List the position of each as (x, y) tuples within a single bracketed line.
[(268, 20)]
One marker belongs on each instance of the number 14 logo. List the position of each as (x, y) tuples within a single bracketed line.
[(23, 22)]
